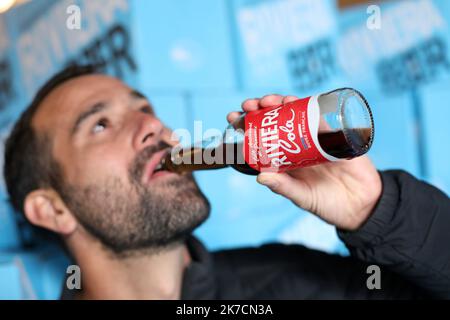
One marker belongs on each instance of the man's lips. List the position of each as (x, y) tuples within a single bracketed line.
[(151, 166)]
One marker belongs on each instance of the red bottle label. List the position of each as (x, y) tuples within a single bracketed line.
[(284, 137)]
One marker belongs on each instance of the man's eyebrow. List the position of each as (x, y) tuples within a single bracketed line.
[(140, 96), (96, 108), (137, 95)]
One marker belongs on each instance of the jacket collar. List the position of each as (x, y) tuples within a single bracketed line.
[(199, 281)]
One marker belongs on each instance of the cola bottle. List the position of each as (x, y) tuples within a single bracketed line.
[(333, 126)]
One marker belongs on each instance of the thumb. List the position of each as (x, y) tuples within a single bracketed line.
[(287, 186)]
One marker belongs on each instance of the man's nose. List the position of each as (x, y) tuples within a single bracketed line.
[(148, 131)]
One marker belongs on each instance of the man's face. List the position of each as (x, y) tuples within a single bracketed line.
[(107, 141)]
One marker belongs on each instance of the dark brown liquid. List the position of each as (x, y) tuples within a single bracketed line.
[(353, 143)]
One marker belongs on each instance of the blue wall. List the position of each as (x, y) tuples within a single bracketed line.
[(197, 60)]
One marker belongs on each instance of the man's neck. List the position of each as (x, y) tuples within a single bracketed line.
[(140, 276)]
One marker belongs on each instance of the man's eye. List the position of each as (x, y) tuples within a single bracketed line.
[(147, 109), (101, 125)]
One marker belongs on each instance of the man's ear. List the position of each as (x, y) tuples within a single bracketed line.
[(45, 208)]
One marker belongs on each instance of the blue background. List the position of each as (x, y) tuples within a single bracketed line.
[(198, 60)]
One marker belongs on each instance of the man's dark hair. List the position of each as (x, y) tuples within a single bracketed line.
[(29, 164)]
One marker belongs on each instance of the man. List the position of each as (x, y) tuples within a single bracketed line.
[(80, 161)]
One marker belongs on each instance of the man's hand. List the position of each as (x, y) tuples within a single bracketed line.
[(342, 193)]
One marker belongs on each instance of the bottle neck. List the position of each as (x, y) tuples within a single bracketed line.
[(194, 159)]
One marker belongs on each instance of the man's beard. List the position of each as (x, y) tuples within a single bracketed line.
[(132, 219)]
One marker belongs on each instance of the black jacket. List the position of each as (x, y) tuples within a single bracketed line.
[(407, 236)]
